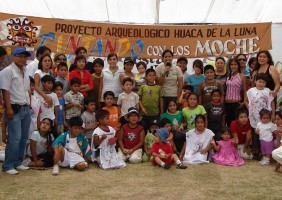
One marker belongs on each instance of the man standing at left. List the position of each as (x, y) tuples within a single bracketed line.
[(15, 89)]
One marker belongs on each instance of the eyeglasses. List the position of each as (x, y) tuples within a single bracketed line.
[(64, 59), (242, 59)]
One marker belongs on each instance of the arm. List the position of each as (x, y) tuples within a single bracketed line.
[(39, 91), (276, 79), (182, 151), (121, 77), (180, 86), (205, 150), (244, 85), (180, 100), (146, 148), (100, 89), (8, 108), (273, 110), (120, 141), (246, 101), (215, 146), (56, 110), (140, 144), (98, 140), (142, 108), (33, 153), (161, 102), (247, 143)]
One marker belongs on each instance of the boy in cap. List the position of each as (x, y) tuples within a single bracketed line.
[(162, 152), (131, 137)]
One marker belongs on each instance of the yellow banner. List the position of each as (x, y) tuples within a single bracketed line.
[(138, 41)]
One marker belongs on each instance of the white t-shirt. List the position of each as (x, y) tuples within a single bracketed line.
[(48, 111), (266, 130), (72, 146), (32, 67), (126, 101), (41, 74), (41, 143), (111, 81), (34, 112)]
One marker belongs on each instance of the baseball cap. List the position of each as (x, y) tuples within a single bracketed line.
[(21, 50), (163, 134), (127, 60)]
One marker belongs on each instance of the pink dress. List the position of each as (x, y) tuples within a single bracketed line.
[(227, 154)]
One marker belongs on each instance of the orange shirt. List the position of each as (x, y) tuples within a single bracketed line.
[(113, 116)]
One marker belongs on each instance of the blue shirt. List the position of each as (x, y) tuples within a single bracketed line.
[(195, 81), (65, 83)]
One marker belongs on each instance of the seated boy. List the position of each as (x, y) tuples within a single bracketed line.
[(71, 148)]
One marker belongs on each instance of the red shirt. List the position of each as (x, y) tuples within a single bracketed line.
[(131, 136), (86, 79), (240, 130), (164, 147)]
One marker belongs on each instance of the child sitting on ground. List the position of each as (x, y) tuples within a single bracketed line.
[(40, 147), (71, 148), (103, 143), (149, 140), (131, 137), (227, 153), (162, 152)]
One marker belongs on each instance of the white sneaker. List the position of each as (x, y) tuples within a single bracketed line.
[(26, 161), (12, 172), (264, 162), (21, 167), (55, 170)]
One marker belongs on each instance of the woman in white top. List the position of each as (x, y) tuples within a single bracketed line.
[(170, 77), (44, 67)]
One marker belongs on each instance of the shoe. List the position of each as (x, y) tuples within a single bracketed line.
[(22, 168), (55, 170), (12, 172), (264, 162), (181, 166), (166, 166), (26, 161)]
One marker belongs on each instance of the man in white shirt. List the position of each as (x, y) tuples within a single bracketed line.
[(32, 67), (15, 88)]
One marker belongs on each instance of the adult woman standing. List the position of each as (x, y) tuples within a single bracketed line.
[(170, 78), (265, 65), (245, 70), (220, 72), (235, 83)]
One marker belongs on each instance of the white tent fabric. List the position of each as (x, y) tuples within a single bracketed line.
[(150, 11)]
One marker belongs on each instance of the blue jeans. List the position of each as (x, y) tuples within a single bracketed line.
[(18, 129)]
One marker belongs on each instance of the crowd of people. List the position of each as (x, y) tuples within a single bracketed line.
[(60, 116)]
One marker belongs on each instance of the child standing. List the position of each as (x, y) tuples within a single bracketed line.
[(151, 99), (216, 114), (40, 148), (242, 132), (127, 99), (266, 129), (58, 87), (195, 149), (208, 85), (227, 153), (104, 142), (98, 65), (88, 117), (62, 76), (190, 112), (140, 76), (48, 111), (71, 148), (149, 140), (162, 152), (109, 97), (73, 100), (131, 137)]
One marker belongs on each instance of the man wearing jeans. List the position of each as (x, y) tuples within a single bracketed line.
[(15, 88)]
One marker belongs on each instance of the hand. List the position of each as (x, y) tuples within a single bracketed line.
[(112, 141), (49, 101), (10, 113), (39, 163), (183, 91), (181, 157), (77, 105), (163, 156), (241, 105), (247, 151), (180, 128), (203, 151), (4, 137), (257, 131), (273, 93), (104, 136), (213, 142), (130, 151), (236, 140), (125, 151)]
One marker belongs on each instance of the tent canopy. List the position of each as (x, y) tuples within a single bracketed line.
[(150, 11)]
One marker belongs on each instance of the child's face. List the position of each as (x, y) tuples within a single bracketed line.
[(45, 126), (141, 69), (225, 136), (46, 64), (80, 64), (158, 139), (90, 107), (48, 85), (75, 87), (265, 119), (172, 107), (105, 121), (192, 100), (168, 127), (133, 118), (243, 119), (260, 84), (215, 97), (62, 72), (83, 53), (234, 67), (98, 68), (112, 61), (59, 91), (278, 120), (153, 127), (128, 67), (127, 87), (182, 64), (32, 86), (151, 77), (200, 124), (197, 70), (109, 101), (209, 74), (75, 130)]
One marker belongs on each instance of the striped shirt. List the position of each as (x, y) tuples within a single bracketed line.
[(233, 88)]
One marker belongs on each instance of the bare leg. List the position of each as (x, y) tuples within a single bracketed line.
[(59, 154), (158, 161), (277, 167)]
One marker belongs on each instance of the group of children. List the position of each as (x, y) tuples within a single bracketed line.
[(75, 130)]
